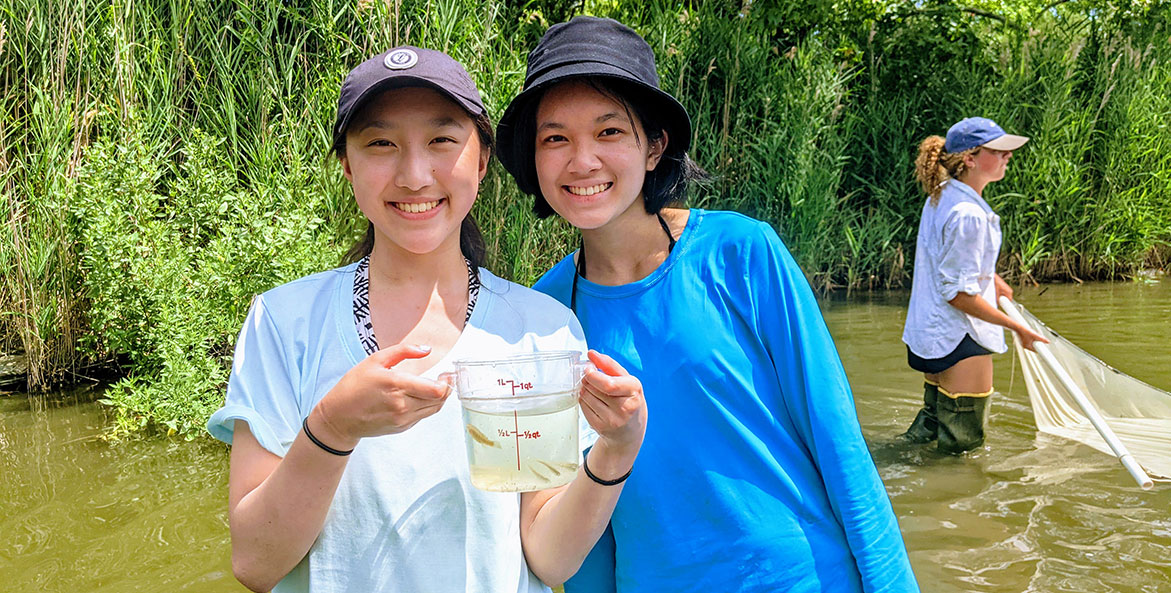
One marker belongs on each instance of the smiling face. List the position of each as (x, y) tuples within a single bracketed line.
[(415, 161), (592, 155)]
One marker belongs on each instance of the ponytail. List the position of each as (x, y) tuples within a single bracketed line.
[(934, 166)]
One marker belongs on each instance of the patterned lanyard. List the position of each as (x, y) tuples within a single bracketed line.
[(581, 265), (362, 318)]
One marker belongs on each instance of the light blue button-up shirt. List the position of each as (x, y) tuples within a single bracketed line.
[(956, 251)]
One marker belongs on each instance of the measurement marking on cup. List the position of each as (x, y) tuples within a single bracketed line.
[(516, 430), (515, 384), (522, 434)]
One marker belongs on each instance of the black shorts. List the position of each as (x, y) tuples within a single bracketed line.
[(968, 348)]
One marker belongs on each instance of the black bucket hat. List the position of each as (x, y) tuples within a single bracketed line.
[(586, 47), (405, 66)]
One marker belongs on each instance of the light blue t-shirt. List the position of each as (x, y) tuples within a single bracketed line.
[(405, 516), (753, 475)]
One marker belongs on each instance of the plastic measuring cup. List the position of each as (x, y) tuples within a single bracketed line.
[(521, 419)]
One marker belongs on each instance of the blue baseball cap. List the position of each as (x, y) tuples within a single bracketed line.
[(980, 132)]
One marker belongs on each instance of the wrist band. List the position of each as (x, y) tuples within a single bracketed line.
[(586, 467), (325, 447)]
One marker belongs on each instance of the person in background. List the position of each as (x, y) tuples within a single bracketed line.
[(754, 475), (953, 324), (348, 464)]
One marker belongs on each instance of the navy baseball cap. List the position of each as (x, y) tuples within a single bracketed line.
[(586, 46), (980, 131), (405, 66)]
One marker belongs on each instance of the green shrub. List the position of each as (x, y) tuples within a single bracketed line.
[(169, 277)]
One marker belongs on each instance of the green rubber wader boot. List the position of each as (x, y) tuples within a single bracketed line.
[(961, 423), (925, 426)]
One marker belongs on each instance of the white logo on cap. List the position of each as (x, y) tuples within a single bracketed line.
[(400, 59)]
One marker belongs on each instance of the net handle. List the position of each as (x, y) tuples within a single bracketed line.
[(1042, 350)]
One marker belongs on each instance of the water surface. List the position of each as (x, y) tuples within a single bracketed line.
[(1028, 512), (78, 513)]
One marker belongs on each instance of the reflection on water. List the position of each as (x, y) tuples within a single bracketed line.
[(1028, 512), (80, 514)]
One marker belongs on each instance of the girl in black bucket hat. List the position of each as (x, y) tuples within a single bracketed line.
[(753, 475), (349, 471)]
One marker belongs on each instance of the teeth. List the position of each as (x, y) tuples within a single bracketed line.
[(588, 191), (416, 208)]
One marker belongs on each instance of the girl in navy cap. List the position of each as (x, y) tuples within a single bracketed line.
[(348, 466), (953, 324), (754, 475)]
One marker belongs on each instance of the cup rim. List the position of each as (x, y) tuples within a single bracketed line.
[(544, 355)]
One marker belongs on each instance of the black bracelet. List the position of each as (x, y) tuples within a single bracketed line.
[(589, 473), (325, 447)]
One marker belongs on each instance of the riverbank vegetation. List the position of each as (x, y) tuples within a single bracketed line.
[(161, 161)]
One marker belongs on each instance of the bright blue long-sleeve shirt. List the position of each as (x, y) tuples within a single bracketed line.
[(753, 475)]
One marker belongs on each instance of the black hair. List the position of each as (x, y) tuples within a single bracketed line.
[(471, 240), (664, 185)]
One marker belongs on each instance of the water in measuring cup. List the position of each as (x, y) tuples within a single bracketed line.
[(522, 444)]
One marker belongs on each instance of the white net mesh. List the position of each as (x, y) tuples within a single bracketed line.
[(1139, 414)]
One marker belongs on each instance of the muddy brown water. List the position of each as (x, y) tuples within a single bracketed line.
[(1028, 512)]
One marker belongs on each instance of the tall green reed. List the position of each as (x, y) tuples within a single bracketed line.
[(1083, 196), (45, 123)]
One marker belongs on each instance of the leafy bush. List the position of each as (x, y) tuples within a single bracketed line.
[(169, 277)]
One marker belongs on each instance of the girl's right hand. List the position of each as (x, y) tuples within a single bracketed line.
[(374, 399), (1028, 337)]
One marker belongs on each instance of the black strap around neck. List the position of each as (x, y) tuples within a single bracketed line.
[(580, 270)]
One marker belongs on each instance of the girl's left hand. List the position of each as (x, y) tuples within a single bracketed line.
[(613, 404)]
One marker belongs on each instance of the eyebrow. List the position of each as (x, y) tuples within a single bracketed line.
[(552, 125), (446, 121), (437, 122), (375, 123)]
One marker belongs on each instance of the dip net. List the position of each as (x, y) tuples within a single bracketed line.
[(1139, 414)]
